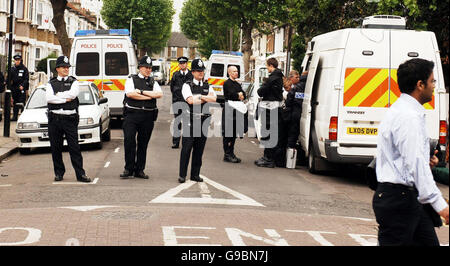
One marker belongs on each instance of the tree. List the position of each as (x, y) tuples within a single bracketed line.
[(209, 32), (42, 65), (249, 15), (151, 33), (59, 6)]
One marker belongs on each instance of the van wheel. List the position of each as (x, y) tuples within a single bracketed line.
[(312, 160)]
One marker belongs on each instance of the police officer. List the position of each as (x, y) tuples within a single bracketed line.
[(62, 101), (196, 93), (178, 79), (20, 84), (140, 114)]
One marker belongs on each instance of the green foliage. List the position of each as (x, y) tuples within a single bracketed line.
[(210, 33), (42, 65), (151, 33)]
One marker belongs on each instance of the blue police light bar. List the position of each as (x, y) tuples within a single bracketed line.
[(226, 52), (122, 32)]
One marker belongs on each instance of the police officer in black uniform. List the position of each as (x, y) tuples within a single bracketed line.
[(140, 113), (62, 101), (19, 85), (196, 93), (178, 79)]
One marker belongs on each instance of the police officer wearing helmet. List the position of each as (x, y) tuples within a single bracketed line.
[(140, 113), (178, 79), (196, 93), (20, 84), (62, 101)]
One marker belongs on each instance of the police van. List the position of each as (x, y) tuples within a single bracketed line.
[(217, 69), (352, 81), (107, 58), (159, 71)]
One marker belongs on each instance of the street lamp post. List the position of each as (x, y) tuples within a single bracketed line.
[(131, 25), (7, 113)]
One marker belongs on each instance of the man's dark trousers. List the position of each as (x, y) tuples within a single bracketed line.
[(401, 218), (58, 126), (140, 123), (177, 127), (193, 144)]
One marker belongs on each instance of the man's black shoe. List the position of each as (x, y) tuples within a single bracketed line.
[(236, 158), (14, 119), (262, 160), (126, 174), (175, 146), (84, 179), (141, 174), (182, 179), (230, 158), (264, 163), (197, 179), (58, 178)]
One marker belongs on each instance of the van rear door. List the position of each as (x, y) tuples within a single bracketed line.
[(405, 46), (88, 60), (116, 69), (364, 96)]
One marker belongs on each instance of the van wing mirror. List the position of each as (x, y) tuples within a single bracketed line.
[(102, 100)]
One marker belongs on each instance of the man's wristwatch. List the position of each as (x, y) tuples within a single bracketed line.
[(142, 92)]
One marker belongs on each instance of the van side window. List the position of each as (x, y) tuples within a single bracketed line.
[(217, 70), (238, 69), (87, 64), (116, 64), (308, 62)]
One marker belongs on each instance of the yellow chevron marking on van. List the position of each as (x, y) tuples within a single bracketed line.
[(354, 77), (369, 88)]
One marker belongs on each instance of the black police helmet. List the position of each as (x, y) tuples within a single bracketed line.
[(145, 61), (17, 57), (197, 65), (62, 61)]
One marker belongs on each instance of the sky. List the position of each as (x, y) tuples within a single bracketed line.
[(177, 5)]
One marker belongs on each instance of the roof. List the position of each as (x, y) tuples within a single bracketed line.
[(178, 39)]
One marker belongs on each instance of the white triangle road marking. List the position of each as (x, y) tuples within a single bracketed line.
[(86, 208), (169, 196)]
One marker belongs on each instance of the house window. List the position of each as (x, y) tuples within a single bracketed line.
[(38, 53), (40, 11), (20, 9), (173, 53)]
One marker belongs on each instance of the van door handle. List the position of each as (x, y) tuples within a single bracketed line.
[(315, 103), (108, 82)]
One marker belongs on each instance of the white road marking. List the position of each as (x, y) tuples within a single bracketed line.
[(361, 219), (169, 196), (77, 183), (7, 185), (86, 208), (33, 236), (107, 164), (117, 150), (253, 142), (204, 190)]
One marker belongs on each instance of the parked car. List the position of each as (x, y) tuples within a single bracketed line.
[(94, 126)]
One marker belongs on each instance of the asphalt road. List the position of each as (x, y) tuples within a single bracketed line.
[(238, 204)]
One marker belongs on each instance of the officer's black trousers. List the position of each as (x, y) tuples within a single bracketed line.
[(19, 98), (401, 218), (287, 138), (176, 129), (228, 145), (58, 127), (195, 145), (140, 123), (270, 123)]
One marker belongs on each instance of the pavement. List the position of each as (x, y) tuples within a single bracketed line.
[(8, 145)]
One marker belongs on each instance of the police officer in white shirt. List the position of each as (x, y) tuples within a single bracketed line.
[(62, 100), (140, 113), (196, 93), (405, 181)]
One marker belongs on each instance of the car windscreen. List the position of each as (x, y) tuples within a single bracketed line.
[(87, 64), (85, 95), (155, 68), (116, 64), (37, 99), (217, 70)]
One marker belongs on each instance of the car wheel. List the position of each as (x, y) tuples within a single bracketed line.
[(24, 151), (107, 135)]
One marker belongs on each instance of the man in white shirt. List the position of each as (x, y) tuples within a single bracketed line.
[(196, 93), (62, 100), (140, 114), (405, 181)]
